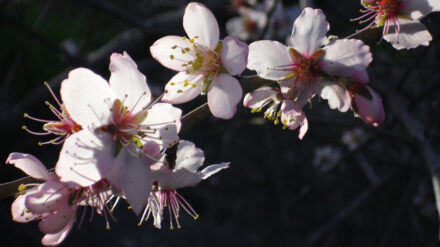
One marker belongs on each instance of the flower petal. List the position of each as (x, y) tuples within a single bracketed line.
[(165, 120), (223, 96), (345, 56), (412, 34), (129, 85), (338, 97), (132, 175), (258, 98), (268, 58), (188, 156), (57, 221), (198, 21), (57, 238), (19, 211), (50, 196), (309, 30), (162, 50), (87, 98), (213, 169), (293, 116), (234, 55), (85, 158), (420, 8), (29, 165), (182, 88)]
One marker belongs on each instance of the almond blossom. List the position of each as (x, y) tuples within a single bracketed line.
[(53, 202), (205, 65), (367, 104), (122, 129), (185, 173), (306, 65), (400, 20), (63, 127), (290, 112)]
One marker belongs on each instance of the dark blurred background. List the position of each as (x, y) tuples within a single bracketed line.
[(279, 191)]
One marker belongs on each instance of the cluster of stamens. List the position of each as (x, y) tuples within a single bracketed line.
[(381, 13), (63, 127), (273, 111), (205, 62), (174, 201)]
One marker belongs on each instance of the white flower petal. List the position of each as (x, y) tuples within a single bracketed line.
[(87, 98), (267, 58), (259, 97), (132, 175), (165, 120), (85, 158), (55, 239), (223, 96), (18, 208), (412, 34), (198, 21), (30, 165), (182, 88), (129, 85), (234, 55), (213, 169), (309, 30), (338, 97), (162, 50), (420, 8), (345, 56), (188, 156)]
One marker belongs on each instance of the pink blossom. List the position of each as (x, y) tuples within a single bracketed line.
[(306, 65), (279, 108), (205, 65), (185, 174), (53, 202), (48, 201), (400, 20), (121, 123)]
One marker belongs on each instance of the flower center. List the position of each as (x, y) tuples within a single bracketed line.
[(305, 69), (124, 125), (387, 8)]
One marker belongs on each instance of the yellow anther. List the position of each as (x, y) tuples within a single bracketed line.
[(171, 227), (21, 187), (172, 57), (174, 47), (284, 127), (183, 51), (129, 207), (259, 109), (253, 110), (196, 217), (179, 91), (191, 40), (25, 115), (178, 227), (194, 85), (172, 83), (187, 49), (185, 83), (276, 122), (107, 227)]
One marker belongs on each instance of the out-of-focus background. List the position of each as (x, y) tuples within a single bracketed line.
[(345, 184)]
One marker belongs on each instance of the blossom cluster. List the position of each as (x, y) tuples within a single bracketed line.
[(120, 142)]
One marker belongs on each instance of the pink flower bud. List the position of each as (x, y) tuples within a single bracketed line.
[(367, 104)]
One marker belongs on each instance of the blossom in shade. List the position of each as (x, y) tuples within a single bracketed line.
[(185, 173), (279, 109), (48, 201), (249, 25), (52, 201), (354, 138), (123, 129), (400, 20), (326, 157), (204, 63), (306, 65), (62, 128)]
